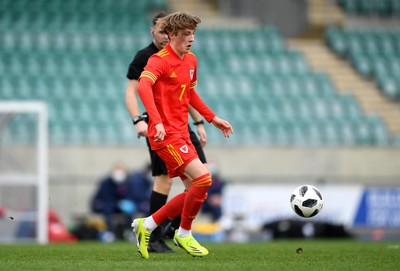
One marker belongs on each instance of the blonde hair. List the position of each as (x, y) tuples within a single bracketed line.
[(174, 22)]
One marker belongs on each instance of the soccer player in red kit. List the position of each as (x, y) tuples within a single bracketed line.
[(166, 88)]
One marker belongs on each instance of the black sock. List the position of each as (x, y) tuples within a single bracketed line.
[(173, 225), (157, 200)]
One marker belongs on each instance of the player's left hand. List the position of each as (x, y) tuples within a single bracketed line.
[(223, 125)]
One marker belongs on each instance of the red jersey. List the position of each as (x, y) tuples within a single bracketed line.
[(166, 88)]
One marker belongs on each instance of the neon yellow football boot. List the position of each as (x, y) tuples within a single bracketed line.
[(142, 237), (190, 244)]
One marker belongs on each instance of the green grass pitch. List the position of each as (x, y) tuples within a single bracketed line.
[(275, 255)]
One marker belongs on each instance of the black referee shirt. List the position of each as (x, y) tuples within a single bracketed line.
[(140, 60)]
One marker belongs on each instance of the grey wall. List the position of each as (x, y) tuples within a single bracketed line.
[(237, 162)]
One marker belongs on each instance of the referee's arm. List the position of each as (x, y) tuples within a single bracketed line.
[(132, 105)]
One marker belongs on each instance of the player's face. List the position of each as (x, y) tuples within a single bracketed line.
[(182, 41), (160, 38)]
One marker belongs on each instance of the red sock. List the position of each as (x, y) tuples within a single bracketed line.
[(171, 209), (194, 199)]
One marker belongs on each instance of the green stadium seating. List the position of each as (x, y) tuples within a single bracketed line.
[(370, 7), (374, 54), (74, 55)]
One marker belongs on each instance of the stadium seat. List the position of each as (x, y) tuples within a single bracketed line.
[(363, 64), (378, 130), (336, 40), (7, 88), (390, 86), (347, 134)]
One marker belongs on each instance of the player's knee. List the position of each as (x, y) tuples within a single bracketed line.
[(203, 181)]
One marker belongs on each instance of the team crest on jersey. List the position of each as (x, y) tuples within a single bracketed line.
[(184, 149), (191, 74)]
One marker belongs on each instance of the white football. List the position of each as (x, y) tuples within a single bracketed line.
[(306, 201)]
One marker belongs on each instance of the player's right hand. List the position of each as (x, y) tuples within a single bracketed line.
[(141, 128), (160, 132)]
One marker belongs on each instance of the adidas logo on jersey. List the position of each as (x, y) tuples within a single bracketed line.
[(173, 75)]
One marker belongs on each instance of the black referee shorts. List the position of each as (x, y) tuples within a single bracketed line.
[(157, 164)]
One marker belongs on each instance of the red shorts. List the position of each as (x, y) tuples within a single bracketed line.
[(177, 155)]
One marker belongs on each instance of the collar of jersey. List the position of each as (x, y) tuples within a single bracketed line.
[(172, 52)]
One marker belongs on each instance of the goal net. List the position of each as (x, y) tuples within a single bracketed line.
[(23, 172)]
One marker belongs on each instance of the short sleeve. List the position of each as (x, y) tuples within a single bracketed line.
[(136, 66), (154, 68)]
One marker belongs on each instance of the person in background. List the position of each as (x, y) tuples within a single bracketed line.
[(119, 197), (140, 184)]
